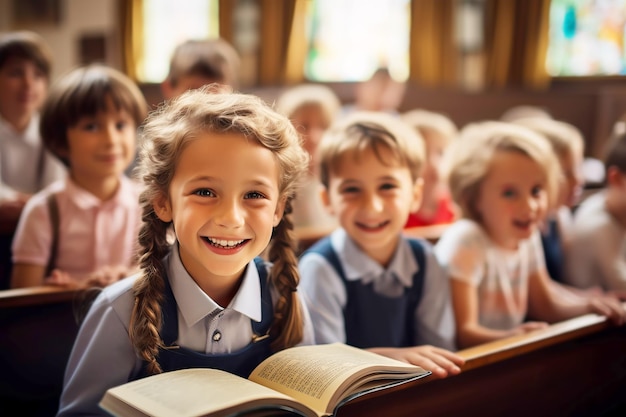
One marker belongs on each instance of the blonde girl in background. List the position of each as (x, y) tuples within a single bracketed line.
[(504, 178), (568, 144), (219, 171)]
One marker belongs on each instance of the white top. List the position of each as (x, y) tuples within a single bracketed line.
[(597, 250), (19, 159), (326, 293), (103, 356), (500, 276)]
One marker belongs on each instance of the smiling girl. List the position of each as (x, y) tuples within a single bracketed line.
[(219, 173), (504, 177)]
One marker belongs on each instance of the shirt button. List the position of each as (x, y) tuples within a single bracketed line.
[(217, 336)]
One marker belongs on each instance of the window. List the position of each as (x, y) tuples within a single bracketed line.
[(350, 39), (167, 23), (587, 38)]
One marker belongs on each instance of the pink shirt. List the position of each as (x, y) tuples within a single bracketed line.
[(92, 233)]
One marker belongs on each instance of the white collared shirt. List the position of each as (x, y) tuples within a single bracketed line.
[(19, 158), (103, 356)]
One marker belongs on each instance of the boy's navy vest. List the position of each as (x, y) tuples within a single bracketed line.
[(375, 320), (240, 363)]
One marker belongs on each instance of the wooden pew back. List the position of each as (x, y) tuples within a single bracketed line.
[(37, 332), (573, 368)]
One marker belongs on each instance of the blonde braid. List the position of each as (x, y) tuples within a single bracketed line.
[(288, 321)]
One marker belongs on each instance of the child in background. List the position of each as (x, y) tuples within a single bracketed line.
[(379, 93), (369, 286), (568, 144), (597, 255), (503, 177), (311, 108), (25, 166), (438, 131), (199, 62), (219, 171), (83, 229)]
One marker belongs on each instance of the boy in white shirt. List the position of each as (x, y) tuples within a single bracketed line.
[(597, 254)]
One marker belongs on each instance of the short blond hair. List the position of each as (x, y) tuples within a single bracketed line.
[(564, 137), (363, 130), (426, 120), (471, 155), (299, 96)]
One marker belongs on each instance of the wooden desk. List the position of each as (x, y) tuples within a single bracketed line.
[(573, 368), (430, 233)]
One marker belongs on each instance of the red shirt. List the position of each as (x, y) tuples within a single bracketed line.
[(444, 214)]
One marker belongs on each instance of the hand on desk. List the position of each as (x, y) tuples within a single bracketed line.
[(440, 362)]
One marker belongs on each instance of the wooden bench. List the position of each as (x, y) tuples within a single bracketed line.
[(573, 368), (37, 331)]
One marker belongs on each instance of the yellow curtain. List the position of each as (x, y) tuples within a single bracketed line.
[(297, 45), (432, 54), (132, 35), (274, 40), (516, 43), (226, 10)]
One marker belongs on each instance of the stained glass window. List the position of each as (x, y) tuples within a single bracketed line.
[(587, 38), (168, 23)]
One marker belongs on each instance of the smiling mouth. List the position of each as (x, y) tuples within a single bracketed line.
[(373, 226), (522, 224), (225, 244)]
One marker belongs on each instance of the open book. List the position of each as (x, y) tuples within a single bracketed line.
[(309, 381)]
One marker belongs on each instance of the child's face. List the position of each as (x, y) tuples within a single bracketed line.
[(101, 147), (572, 180), (435, 147), (223, 201), (23, 88), (311, 123), (372, 200), (513, 198)]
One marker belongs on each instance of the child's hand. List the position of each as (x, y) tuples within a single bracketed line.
[(440, 362), (610, 307), (60, 278), (107, 275), (529, 326)]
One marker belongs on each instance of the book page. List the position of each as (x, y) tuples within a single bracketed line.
[(193, 392), (318, 375)]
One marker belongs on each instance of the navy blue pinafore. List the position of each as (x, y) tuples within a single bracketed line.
[(241, 362), (372, 319)]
